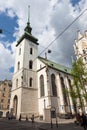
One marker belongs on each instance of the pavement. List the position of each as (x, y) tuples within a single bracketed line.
[(62, 124)]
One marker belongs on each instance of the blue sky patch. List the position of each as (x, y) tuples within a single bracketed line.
[(8, 24), (11, 69), (74, 2)]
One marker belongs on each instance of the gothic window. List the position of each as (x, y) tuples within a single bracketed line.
[(31, 51), (69, 81), (64, 91), (16, 83), (30, 64), (85, 58), (42, 93), (19, 51), (30, 82), (18, 65), (54, 89)]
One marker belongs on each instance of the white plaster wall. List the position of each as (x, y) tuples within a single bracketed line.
[(16, 76), (19, 57), (58, 101), (29, 101), (27, 56), (18, 93)]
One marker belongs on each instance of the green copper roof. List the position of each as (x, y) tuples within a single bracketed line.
[(27, 35), (55, 65)]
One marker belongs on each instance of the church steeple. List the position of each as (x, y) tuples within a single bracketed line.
[(28, 28), (27, 32)]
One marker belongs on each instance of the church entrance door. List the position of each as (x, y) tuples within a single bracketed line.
[(15, 103)]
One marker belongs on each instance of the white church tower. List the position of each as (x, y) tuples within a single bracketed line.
[(24, 89)]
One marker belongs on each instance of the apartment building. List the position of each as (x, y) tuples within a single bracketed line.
[(5, 89)]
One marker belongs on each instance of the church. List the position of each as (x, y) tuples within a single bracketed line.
[(38, 84)]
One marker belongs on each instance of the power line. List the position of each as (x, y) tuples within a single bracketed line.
[(61, 33), (66, 28)]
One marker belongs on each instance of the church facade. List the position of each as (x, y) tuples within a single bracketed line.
[(38, 84)]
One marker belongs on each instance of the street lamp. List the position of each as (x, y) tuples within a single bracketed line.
[(53, 115), (49, 51)]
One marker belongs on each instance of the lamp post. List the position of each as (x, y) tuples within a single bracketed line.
[(49, 51), (53, 115)]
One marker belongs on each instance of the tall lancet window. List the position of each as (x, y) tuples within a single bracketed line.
[(30, 64), (18, 65), (64, 91), (54, 88), (16, 83), (69, 81), (42, 93), (30, 82), (31, 51)]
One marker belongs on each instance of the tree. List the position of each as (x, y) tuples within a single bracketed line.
[(78, 91)]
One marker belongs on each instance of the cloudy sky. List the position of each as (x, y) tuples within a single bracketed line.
[(48, 19)]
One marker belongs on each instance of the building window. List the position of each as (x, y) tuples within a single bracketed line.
[(64, 91), (31, 51), (69, 81), (16, 83), (19, 51), (3, 94), (2, 100), (30, 82), (42, 93), (54, 89), (3, 89), (84, 51), (30, 64), (8, 100), (18, 65), (8, 107), (85, 58)]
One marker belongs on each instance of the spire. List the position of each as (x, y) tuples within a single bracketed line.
[(28, 28), (29, 14)]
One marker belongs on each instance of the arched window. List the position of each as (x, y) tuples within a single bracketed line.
[(18, 65), (30, 82), (69, 81), (16, 83), (42, 93), (64, 91), (54, 89), (30, 64), (31, 51)]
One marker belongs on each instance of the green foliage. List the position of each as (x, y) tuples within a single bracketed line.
[(79, 73)]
